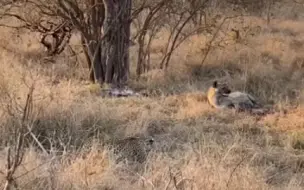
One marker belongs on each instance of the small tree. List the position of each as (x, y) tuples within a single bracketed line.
[(104, 26)]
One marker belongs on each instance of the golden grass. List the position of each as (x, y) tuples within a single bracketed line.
[(87, 169), (292, 121), (197, 147)]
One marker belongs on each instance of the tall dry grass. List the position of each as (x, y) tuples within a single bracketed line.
[(196, 147)]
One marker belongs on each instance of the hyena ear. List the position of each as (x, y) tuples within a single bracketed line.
[(214, 84)]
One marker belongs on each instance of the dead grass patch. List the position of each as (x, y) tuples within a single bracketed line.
[(196, 146)]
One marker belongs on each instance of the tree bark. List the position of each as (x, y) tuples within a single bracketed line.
[(116, 43), (107, 42), (88, 59)]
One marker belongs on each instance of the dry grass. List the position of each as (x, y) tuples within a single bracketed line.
[(196, 147)]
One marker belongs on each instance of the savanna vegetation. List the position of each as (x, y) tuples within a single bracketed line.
[(60, 128)]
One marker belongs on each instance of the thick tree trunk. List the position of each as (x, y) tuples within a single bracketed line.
[(97, 64), (126, 31), (108, 51), (116, 43)]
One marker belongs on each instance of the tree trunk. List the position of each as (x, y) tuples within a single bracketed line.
[(86, 54), (92, 51), (126, 30), (107, 50), (116, 43)]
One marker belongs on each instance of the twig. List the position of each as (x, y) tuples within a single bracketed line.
[(37, 141), (234, 169), (15, 160), (214, 37)]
